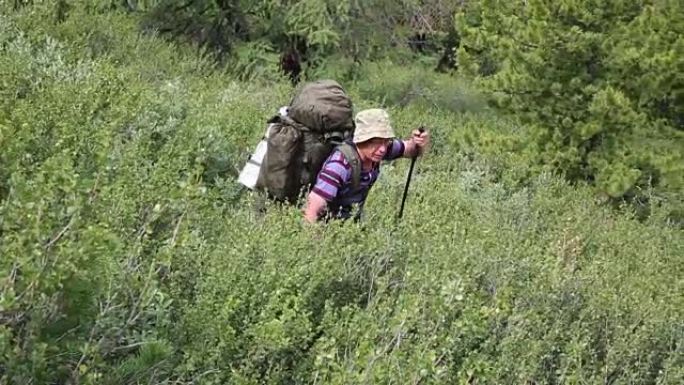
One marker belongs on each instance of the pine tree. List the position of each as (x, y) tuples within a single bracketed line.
[(600, 81)]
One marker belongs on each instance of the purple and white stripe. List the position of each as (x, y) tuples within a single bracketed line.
[(334, 180)]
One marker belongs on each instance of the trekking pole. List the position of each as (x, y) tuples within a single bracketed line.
[(408, 180)]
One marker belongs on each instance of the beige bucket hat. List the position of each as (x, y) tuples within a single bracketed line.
[(372, 123)]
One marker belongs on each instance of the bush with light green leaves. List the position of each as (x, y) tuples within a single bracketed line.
[(130, 255)]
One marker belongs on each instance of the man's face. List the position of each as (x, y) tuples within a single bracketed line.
[(374, 149)]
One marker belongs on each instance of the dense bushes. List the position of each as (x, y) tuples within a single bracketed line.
[(130, 255)]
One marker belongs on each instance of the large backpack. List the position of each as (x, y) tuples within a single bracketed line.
[(318, 120)]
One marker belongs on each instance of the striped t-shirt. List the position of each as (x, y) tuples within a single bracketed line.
[(334, 182)]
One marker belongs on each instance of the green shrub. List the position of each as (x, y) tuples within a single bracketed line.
[(405, 84), (131, 255)]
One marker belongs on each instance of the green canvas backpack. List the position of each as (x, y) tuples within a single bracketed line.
[(318, 120)]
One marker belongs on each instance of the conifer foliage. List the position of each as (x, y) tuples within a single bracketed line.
[(601, 82)]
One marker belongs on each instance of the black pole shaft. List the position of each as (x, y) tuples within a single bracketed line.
[(406, 187), (408, 180)]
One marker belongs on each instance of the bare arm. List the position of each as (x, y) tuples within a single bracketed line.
[(315, 204)]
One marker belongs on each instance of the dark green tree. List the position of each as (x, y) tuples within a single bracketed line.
[(600, 82)]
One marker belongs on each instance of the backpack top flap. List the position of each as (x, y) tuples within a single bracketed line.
[(322, 106)]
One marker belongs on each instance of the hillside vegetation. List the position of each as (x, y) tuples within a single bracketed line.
[(131, 255)]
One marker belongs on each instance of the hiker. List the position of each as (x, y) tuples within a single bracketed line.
[(333, 195)]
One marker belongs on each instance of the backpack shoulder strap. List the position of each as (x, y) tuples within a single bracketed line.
[(353, 158)]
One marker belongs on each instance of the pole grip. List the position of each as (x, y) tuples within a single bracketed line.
[(421, 129)]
